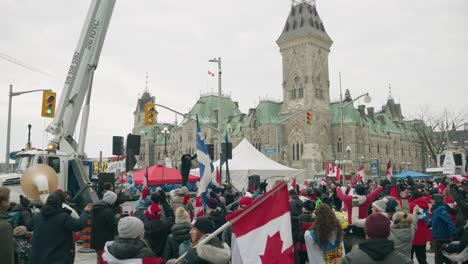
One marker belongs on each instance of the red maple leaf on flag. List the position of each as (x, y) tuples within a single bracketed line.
[(273, 250)]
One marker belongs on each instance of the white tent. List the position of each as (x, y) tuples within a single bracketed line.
[(247, 160)]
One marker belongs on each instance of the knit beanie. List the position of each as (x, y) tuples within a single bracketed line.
[(212, 203), (109, 197), (204, 224), (130, 227), (377, 226), (20, 231), (380, 205), (153, 212), (181, 216), (245, 201)]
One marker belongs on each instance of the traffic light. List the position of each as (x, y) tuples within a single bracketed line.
[(150, 114), (309, 118), (48, 104)]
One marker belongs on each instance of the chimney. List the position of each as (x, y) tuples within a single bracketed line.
[(370, 112), (362, 109)]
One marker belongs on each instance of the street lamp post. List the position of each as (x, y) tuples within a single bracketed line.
[(11, 94), (165, 132), (218, 60), (367, 99)]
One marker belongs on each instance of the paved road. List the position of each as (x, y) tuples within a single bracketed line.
[(90, 258)]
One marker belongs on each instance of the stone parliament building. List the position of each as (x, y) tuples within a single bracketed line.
[(279, 129)]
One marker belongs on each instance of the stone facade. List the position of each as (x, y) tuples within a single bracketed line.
[(280, 130)]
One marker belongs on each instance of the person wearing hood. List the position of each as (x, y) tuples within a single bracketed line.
[(103, 224), (213, 251), (422, 233), (442, 227), (306, 222), (403, 229), (156, 229), (52, 240), (179, 235), (129, 244), (6, 239), (213, 210), (23, 210), (377, 248)]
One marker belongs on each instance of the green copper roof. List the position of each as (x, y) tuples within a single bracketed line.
[(268, 112), (350, 114), (207, 105)]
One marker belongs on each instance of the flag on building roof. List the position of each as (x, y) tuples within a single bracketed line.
[(268, 223)]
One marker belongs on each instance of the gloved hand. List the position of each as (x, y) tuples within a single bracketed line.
[(263, 185), (385, 183)]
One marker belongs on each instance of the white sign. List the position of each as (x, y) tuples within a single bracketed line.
[(168, 163), (449, 163)]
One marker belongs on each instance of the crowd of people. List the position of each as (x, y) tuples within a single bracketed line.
[(366, 222)]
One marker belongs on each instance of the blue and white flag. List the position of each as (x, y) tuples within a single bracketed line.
[(205, 165)]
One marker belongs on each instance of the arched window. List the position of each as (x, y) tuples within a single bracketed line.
[(297, 151), (339, 146), (378, 149), (386, 149), (302, 149), (293, 152), (402, 153)]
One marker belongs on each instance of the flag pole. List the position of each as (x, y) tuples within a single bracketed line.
[(232, 221)]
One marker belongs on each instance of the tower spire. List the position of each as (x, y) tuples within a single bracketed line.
[(390, 97), (146, 82)]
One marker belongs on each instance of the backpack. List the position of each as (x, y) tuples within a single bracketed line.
[(184, 247), (14, 218)]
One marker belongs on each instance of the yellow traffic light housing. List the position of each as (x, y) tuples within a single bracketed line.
[(48, 104), (309, 118), (150, 115)]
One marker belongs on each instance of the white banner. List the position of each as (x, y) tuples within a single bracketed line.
[(449, 163)]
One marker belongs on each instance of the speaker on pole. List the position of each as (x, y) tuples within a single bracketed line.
[(117, 145), (133, 143), (226, 151)]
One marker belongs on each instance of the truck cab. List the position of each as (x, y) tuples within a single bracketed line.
[(25, 159)]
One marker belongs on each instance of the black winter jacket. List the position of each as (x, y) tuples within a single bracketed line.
[(123, 248), (179, 234), (104, 225), (25, 212), (52, 240), (156, 232)]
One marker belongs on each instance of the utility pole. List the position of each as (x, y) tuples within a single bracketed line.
[(218, 60), (28, 145), (10, 95)]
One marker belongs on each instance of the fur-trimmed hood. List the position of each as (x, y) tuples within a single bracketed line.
[(214, 254), (214, 251)]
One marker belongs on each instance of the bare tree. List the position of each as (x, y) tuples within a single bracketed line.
[(435, 128)]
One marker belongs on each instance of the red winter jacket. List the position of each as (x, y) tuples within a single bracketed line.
[(394, 194), (422, 234), (363, 208)]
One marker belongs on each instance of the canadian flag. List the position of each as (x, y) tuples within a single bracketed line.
[(361, 174), (389, 172), (329, 169), (323, 181), (210, 73), (338, 174), (293, 184), (458, 178), (268, 223)]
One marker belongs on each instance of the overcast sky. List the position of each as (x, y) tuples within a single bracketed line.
[(419, 46)]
